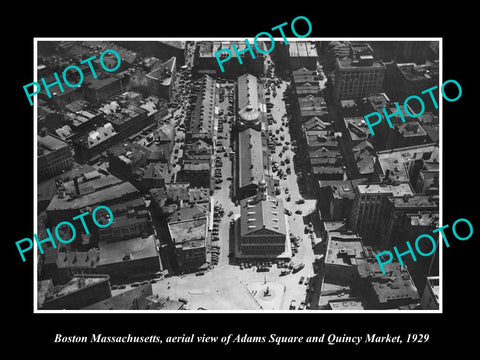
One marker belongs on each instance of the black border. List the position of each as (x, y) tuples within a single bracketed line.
[(446, 330)]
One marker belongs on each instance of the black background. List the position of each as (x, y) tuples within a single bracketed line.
[(450, 330)]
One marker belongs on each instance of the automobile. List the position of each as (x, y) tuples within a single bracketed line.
[(286, 190), (284, 272), (300, 201), (200, 273), (307, 280), (293, 304), (114, 287), (218, 187), (241, 266), (135, 285), (302, 306), (289, 171), (299, 212), (288, 198), (121, 287), (288, 212), (229, 178)]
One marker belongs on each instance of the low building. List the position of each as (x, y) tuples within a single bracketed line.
[(189, 241), (343, 255), (81, 291), (127, 259), (261, 231)]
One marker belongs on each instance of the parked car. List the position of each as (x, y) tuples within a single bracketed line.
[(200, 273), (299, 212), (293, 305), (301, 280), (302, 306)]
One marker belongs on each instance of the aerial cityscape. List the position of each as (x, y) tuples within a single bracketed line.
[(256, 188)]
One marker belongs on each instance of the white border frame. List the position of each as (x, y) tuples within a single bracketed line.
[(308, 312)]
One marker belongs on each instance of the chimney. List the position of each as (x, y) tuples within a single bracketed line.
[(77, 188)]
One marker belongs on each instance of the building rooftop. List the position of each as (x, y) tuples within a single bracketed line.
[(262, 212), (357, 128), (127, 250), (99, 196), (424, 218), (347, 304), (252, 164), (163, 71), (49, 143), (203, 113), (365, 62), (302, 49), (414, 201), (397, 160), (344, 249), (97, 136), (382, 188), (395, 284), (189, 233), (414, 72)]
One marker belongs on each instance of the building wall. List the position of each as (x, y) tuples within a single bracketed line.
[(54, 162), (126, 269), (262, 244), (357, 83), (189, 259)]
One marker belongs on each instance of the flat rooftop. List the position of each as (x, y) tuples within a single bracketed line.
[(49, 143), (302, 49), (394, 189), (188, 230), (344, 249), (396, 160), (127, 250)]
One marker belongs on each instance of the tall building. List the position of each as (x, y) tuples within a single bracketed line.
[(261, 231), (397, 214), (369, 208), (411, 51), (356, 79), (53, 156)]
